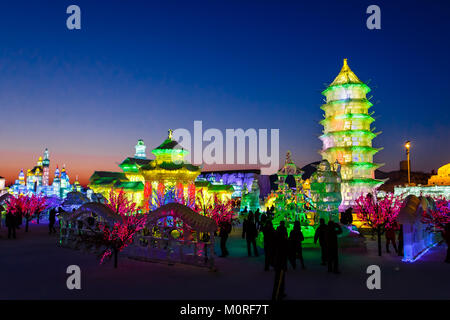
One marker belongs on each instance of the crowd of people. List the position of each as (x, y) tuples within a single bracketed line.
[(280, 247), (14, 221)]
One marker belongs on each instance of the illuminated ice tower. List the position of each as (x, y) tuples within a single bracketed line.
[(56, 183), (347, 136), (45, 168), (140, 150), (65, 183)]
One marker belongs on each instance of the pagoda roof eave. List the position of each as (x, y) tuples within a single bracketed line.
[(349, 132), (168, 166), (365, 181), (345, 101), (363, 164), (168, 144), (361, 148), (352, 116)]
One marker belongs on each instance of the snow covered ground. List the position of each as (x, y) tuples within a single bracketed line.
[(34, 267)]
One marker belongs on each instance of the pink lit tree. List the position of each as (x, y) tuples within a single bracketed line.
[(215, 208), (35, 205), (16, 206), (438, 217), (378, 215), (27, 207), (120, 204), (222, 211), (116, 237)]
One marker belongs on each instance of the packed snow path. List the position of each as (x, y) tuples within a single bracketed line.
[(34, 267)]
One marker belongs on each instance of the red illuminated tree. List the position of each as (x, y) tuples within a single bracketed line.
[(26, 207), (222, 211), (16, 206), (215, 208), (120, 204), (378, 215), (438, 217), (35, 205), (116, 236)]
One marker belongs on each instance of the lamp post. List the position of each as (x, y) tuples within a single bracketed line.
[(408, 146)]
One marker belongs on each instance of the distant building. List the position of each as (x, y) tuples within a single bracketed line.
[(2, 185), (36, 181), (241, 180), (438, 185), (400, 178), (442, 178)]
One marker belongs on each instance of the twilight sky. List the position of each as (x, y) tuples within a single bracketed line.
[(138, 68)]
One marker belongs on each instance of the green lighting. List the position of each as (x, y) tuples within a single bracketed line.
[(353, 133), (346, 101), (353, 148), (347, 86), (347, 136)]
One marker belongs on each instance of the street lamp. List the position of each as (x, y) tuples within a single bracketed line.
[(408, 146)]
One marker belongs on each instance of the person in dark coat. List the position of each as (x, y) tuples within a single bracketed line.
[(333, 230), (257, 218), (390, 237), (282, 228), (321, 235), (347, 216), (280, 262), (272, 212), (400, 241), (51, 221), (446, 236), (262, 221), (249, 232), (295, 245), (269, 239), (11, 223), (225, 229)]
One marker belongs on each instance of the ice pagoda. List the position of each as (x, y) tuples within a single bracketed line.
[(347, 134)]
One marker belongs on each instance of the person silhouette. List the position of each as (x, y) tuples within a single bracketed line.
[(263, 220), (269, 239), (295, 245), (400, 241), (332, 241), (51, 221), (257, 218), (321, 235), (225, 229), (11, 223), (249, 232), (390, 237), (282, 228), (280, 262)]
